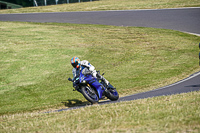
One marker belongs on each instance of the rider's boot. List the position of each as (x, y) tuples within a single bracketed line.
[(102, 78)]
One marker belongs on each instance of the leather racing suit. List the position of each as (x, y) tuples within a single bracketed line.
[(90, 67)]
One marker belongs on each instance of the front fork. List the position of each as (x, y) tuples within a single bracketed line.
[(89, 88)]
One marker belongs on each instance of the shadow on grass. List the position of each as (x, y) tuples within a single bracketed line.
[(75, 102)]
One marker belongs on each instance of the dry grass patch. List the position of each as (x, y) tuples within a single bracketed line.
[(176, 113)]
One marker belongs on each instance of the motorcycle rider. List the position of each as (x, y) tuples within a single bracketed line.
[(80, 65)]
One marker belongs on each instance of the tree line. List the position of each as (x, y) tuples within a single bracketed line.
[(28, 3), (24, 3)]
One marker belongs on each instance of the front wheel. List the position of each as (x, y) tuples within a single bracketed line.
[(112, 94), (90, 94)]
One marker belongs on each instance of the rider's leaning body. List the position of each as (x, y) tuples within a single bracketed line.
[(80, 65)]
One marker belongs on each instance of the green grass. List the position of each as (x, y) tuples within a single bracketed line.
[(35, 61), (176, 113), (109, 5), (35, 66)]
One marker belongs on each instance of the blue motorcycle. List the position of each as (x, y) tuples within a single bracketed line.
[(93, 89)]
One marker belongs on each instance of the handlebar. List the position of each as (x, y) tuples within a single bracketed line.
[(70, 79)]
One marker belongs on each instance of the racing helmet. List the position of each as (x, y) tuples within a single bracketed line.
[(75, 61)]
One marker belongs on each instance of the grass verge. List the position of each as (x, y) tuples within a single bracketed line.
[(109, 5), (35, 61), (176, 113)]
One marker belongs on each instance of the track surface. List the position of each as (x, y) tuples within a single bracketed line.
[(185, 20), (192, 83)]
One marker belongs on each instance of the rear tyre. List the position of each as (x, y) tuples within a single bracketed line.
[(90, 94), (112, 94)]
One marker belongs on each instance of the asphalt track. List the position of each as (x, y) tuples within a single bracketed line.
[(189, 84), (184, 19)]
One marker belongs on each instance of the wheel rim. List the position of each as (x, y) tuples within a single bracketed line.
[(91, 93), (114, 92)]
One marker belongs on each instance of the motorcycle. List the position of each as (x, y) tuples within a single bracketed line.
[(93, 89)]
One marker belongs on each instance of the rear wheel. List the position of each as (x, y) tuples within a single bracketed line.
[(112, 94), (90, 94)]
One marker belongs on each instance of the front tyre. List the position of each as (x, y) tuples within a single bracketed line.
[(90, 94), (112, 94)]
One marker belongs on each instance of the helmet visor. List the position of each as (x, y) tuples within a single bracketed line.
[(75, 64)]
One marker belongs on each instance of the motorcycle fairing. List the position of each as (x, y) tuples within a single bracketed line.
[(93, 82)]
